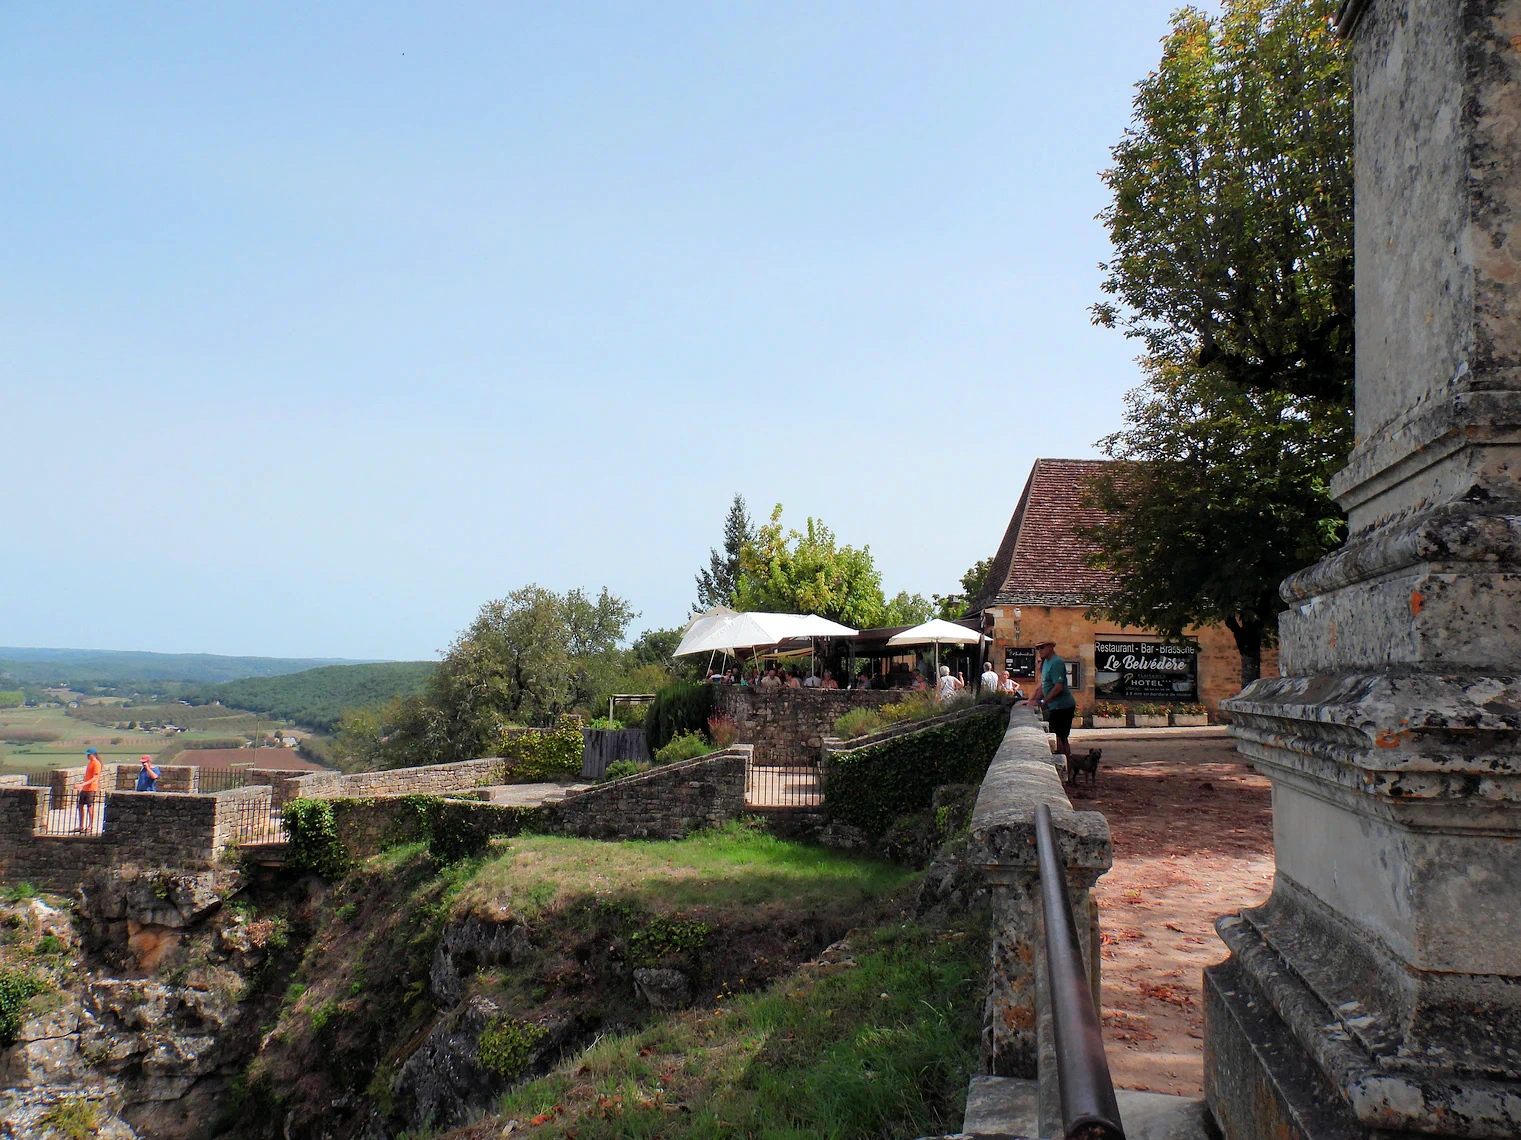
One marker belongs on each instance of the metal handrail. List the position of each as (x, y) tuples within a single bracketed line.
[(1089, 1111)]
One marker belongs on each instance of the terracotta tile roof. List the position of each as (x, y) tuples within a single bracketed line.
[(1042, 561)]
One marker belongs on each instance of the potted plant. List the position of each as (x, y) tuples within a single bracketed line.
[(1190, 716), (1150, 716), (1108, 714)]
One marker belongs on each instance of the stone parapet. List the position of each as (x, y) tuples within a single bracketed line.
[(141, 829), (1018, 1039), (666, 802)]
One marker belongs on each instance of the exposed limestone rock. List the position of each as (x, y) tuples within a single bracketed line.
[(471, 943), (663, 989)]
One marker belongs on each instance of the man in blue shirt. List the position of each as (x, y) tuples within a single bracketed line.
[(147, 779), (1055, 696)]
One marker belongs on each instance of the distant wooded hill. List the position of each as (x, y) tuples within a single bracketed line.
[(77, 668), (316, 698)]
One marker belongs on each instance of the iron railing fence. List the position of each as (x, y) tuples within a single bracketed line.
[(213, 780), (784, 786), (255, 820), (83, 814), (1089, 1110)]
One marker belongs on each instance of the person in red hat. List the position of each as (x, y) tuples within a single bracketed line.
[(147, 779)]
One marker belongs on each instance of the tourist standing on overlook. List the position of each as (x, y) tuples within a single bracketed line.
[(1055, 696), (89, 789), (147, 779)]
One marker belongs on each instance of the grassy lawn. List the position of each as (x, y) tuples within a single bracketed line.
[(736, 867), (880, 1044)]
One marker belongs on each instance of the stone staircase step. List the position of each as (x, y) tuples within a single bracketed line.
[(1003, 1108)]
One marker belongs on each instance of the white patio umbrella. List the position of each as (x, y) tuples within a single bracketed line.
[(936, 632), (747, 630)]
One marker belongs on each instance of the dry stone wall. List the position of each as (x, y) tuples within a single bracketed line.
[(788, 726), (141, 829), (664, 803)]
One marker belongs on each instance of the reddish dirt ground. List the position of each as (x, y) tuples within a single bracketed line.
[(1193, 839)]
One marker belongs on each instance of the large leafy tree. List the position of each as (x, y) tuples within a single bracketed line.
[(810, 572), (1232, 212), (530, 654), (1220, 493), (716, 584)]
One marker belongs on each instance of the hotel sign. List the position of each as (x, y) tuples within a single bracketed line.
[(1141, 670)]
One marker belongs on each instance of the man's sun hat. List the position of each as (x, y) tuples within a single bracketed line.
[(1043, 644), (146, 759), (91, 752)]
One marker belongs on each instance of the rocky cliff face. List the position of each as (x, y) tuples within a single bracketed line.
[(144, 1021)]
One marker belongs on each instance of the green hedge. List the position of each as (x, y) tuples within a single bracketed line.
[(873, 786), (682, 707), (328, 836), (544, 755)]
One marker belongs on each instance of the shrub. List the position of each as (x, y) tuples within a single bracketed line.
[(682, 707), (872, 786), (663, 935), (17, 987), (723, 730), (1108, 708), (544, 755), (73, 1118), (507, 1045), (858, 722), (919, 706), (1151, 710), (1190, 709), (621, 768), (686, 746)]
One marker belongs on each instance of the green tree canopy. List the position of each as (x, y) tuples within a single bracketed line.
[(1221, 493), (809, 572), (1232, 212), (529, 655), (716, 584)]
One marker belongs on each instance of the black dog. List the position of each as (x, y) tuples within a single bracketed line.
[(1077, 765)]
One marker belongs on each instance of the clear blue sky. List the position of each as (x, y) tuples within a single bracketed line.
[(325, 323)]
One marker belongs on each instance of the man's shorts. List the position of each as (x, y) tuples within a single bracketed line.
[(1059, 721), (84, 798)]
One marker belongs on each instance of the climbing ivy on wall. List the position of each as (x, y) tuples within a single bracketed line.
[(872, 786), (313, 835), (328, 836), (547, 755)]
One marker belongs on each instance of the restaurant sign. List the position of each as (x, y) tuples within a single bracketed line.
[(1136, 670), (1019, 662)]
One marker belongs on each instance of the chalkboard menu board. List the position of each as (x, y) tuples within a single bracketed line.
[(1141, 670), (1019, 662)]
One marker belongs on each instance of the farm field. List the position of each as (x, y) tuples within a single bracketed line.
[(38, 739)]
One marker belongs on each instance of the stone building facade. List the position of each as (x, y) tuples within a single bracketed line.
[(1040, 587)]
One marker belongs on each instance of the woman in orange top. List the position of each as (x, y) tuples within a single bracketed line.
[(88, 787)]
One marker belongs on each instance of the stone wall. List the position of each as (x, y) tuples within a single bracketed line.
[(1018, 1036), (142, 829), (431, 780), (664, 803), (788, 726)]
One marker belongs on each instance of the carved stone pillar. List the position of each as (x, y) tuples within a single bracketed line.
[(1378, 992)]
